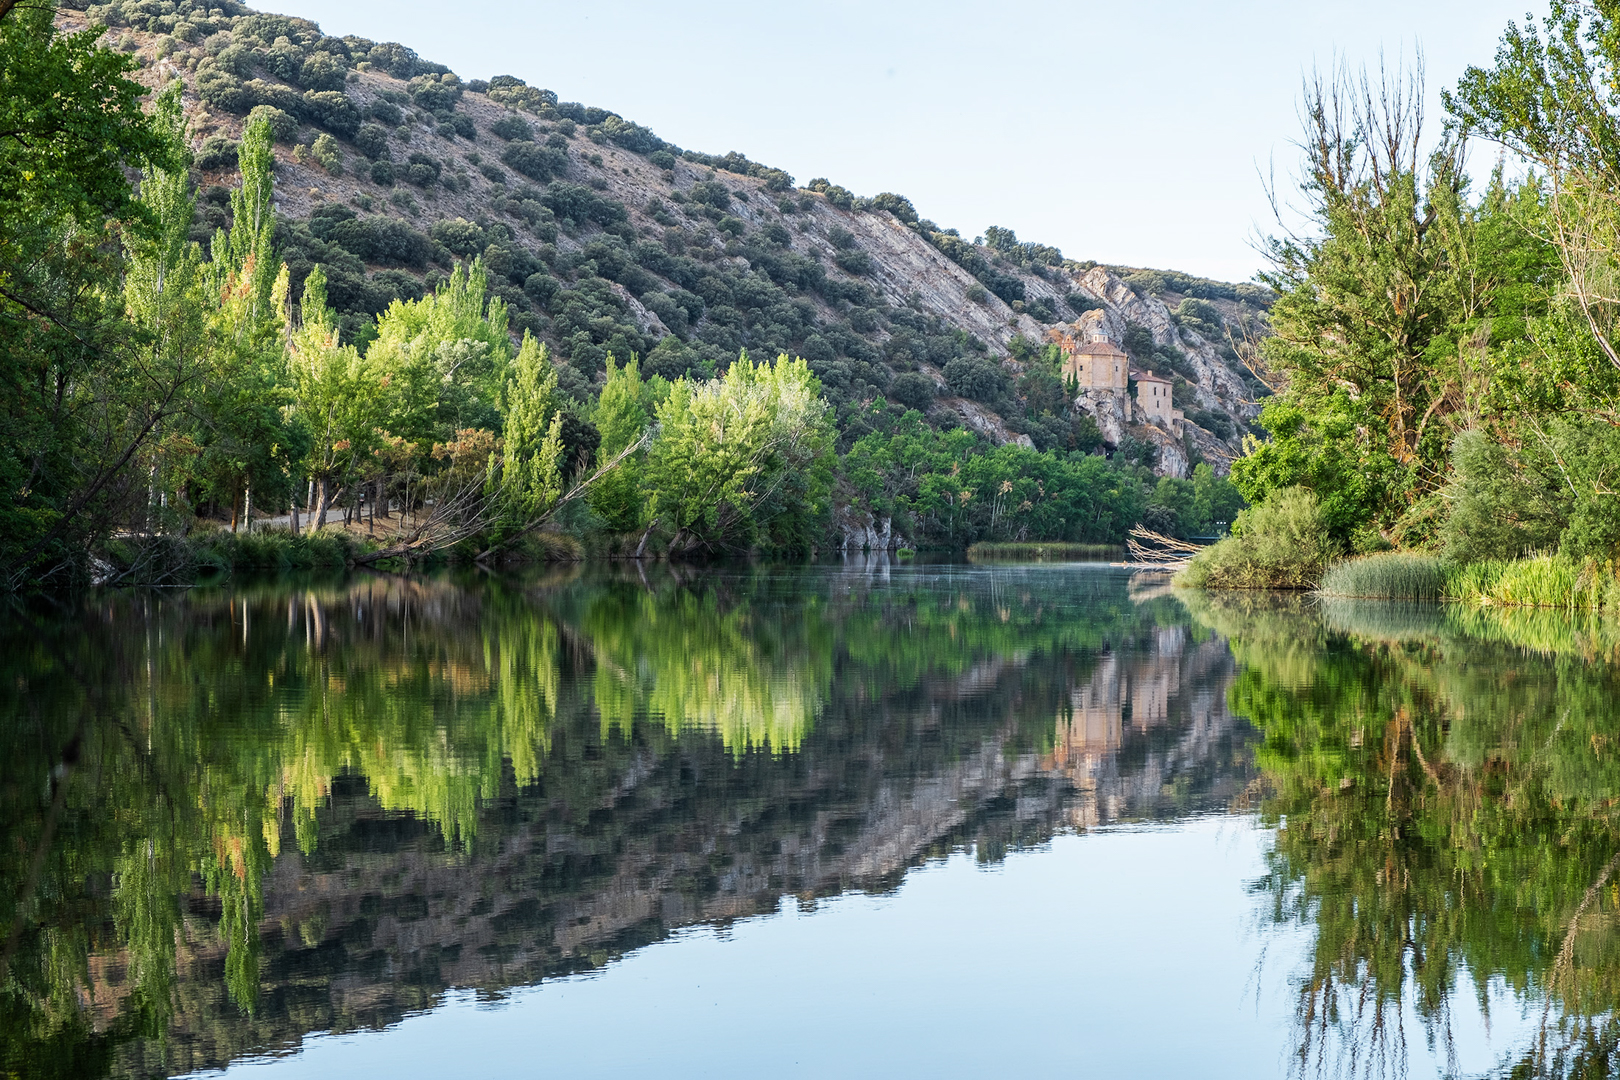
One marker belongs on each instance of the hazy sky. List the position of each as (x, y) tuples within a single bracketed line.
[(1130, 132)]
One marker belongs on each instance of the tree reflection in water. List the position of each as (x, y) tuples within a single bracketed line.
[(1446, 785), (231, 818)]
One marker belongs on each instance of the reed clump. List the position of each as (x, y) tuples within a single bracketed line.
[(1389, 575), (1554, 581)]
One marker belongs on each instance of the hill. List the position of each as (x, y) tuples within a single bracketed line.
[(603, 238)]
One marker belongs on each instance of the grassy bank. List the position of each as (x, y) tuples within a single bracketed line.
[(1541, 581), (1060, 551), (181, 560)]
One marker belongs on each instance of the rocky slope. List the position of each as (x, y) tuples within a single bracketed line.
[(603, 238)]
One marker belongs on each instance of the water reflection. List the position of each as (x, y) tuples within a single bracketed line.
[(229, 819), (1446, 784)]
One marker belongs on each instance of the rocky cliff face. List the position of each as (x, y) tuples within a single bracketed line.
[(603, 238)]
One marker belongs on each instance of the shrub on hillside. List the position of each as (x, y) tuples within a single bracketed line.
[(536, 162), (385, 112), (972, 377), (461, 237), (217, 152), (372, 141), (512, 128), (283, 125), (326, 154), (913, 390), (1283, 543)]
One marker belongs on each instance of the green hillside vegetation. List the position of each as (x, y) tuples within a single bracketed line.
[(1445, 351), (351, 287)]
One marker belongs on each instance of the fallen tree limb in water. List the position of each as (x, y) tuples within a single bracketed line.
[(1148, 548)]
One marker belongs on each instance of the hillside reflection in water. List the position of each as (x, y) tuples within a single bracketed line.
[(286, 810)]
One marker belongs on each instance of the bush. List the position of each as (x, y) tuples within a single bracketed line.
[(536, 162), (461, 237), (326, 154), (382, 172), (1200, 316), (331, 110), (217, 153), (385, 112), (383, 240), (912, 390), (283, 125), (512, 128), (372, 141), (974, 378), (1284, 543), (323, 71), (1387, 576), (1498, 509)]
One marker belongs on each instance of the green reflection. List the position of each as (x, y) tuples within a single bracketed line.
[(558, 754), (1447, 784)]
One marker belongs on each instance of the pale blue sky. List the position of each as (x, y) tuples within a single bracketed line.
[(1128, 132)]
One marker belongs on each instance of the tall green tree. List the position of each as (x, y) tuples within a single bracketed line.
[(1387, 309), (81, 400), (621, 419), (741, 461)]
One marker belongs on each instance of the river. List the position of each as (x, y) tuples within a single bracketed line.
[(856, 820)]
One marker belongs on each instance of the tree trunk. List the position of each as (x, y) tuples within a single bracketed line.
[(247, 510), (323, 501), (641, 548), (236, 505)]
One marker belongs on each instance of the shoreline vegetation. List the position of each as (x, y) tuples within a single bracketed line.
[(185, 359), (1445, 354), (1040, 552)]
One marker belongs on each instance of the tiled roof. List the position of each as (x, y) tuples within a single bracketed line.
[(1098, 348)]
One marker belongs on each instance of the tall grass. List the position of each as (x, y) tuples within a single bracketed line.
[(1057, 550), (1387, 576), (1555, 581), (274, 550)]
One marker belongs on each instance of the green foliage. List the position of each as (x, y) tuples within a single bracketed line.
[(621, 418), (540, 163), (283, 125), (326, 154), (976, 378), (1387, 576), (1325, 451), (531, 465), (742, 461), (951, 489), (1205, 505), (1283, 543)]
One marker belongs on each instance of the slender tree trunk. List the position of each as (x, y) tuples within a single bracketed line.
[(641, 548), (323, 501), (236, 506), (247, 510)]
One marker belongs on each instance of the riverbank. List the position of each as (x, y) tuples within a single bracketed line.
[(1039, 551)]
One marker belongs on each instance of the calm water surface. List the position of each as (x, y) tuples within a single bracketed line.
[(845, 821)]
